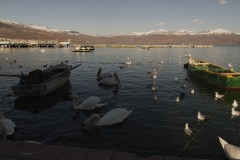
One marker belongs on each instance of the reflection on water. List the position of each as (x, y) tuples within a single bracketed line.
[(155, 127)]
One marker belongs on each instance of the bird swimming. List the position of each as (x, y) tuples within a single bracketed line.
[(201, 116), (235, 113), (114, 80), (90, 103), (114, 116), (235, 104), (101, 75), (177, 99), (154, 73), (128, 62), (218, 95), (231, 151), (187, 130), (192, 91)]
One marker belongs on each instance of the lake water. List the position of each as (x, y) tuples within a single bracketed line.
[(153, 128)]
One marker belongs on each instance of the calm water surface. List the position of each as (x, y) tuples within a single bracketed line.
[(153, 128)]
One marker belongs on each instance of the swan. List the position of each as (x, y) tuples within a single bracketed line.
[(154, 73), (218, 95), (201, 117), (235, 113), (231, 151), (128, 62), (187, 130), (112, 117), (101, 75), (88, 104), (235, 104), (8, 123), (114, 80)]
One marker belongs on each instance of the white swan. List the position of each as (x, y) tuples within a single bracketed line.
[(128, 62), (232, 152), (201, 116), (235, 104), (187, 130), (112, 117), (8, 123), (235, 113), (154, 73), (114, 80), (88, 104), (218, 95), (101, 75)]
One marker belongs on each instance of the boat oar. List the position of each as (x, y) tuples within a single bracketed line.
[(60, 74)]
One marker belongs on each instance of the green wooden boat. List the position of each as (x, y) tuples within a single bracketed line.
[(224, 78)]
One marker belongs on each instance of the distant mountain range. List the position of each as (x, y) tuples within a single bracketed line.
[(15, 30)]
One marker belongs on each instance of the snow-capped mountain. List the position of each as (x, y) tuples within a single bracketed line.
[(158, 32)]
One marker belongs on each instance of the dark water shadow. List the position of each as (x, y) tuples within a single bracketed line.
[(37, 104)]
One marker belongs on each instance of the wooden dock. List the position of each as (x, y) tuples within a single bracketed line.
[(20, 150)]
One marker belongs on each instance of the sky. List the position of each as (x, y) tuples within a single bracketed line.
[(104, 17)]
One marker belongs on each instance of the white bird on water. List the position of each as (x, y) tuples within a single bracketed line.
[(176, 79), (6, 124), (101, 75), (154, 73), (235, 104), (230, 66), (192, 91), (114, 116), (177, 99), (154, 88), (235, 113), (128, 62), (218, 95), (113, 81), (187, 130), (91, 102), (155, 98), (201, 117), (231, 151)]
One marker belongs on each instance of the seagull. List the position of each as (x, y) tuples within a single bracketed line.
[(192, 91), (183, 85), (176, 79), (235, 113), (179, 62), (230, 66), (162, 61), (128, 62), (218, 95), (177, 99), (154, 88), (187, 130), (231, 151), (154, 73), (235, 104), (155, 98), (201, 117)]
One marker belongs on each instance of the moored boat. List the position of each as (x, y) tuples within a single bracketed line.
[(82, 49), (43, 82), (224, 78)]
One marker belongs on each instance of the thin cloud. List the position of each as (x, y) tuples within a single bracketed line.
[(195, 20), (201, 22), (160, 24), (223, 1)]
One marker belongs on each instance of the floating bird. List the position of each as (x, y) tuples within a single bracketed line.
[(230, 66), (121, 67), (162, 61), (201, 116), (155, 98), (187, 130), (138, 63), (45, 65), (177, 99), (176, 79), (179, 62), (128, 62), (235, 113), (6, 58), (101, 75), (232, 152), (7, 124), (192, 91), (183, 85), (154, 88), (154, 73), (114, 80), (218, 95), (88, 104), (66, 61), (235, 104), (114, 116)]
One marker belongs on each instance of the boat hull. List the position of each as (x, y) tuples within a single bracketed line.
[(215, 75), (39, 89)]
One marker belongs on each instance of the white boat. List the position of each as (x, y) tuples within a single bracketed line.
[(40, 83)]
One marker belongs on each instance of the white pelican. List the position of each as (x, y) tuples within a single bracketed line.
[(7, 123), (112, 117), (154, 73), (201, 117), (235, 113), (114, 80), (101, 75), (235, 104), (192, 91), (218, 95), (187, 130), (128, 62), (232, 152), (88, 104)]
